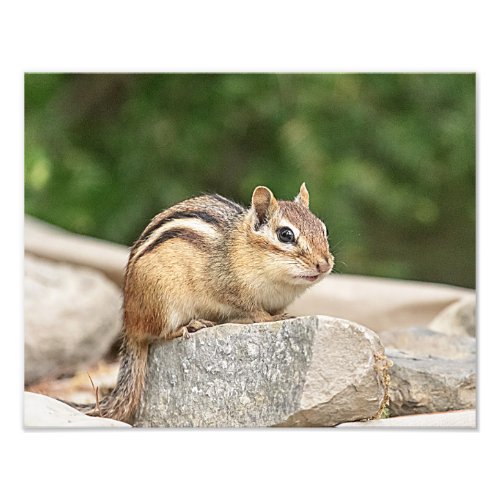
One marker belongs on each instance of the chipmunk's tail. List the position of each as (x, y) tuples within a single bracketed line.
[(123, 401)]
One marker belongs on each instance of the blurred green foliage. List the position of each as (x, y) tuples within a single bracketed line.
[(389, 159)]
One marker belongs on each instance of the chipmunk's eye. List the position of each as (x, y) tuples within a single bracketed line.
[(285, 235)]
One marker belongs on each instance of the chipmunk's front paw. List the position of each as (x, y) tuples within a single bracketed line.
[(194, 325), (281, 317)]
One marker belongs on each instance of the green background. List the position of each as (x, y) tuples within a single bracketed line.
[(389, 159)]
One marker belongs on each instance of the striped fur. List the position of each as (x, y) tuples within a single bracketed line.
[(195, 214), (194, 232)]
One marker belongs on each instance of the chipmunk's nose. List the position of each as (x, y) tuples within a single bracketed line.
[(323, 266)]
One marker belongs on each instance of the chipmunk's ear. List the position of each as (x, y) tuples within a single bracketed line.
[(303, 196), (264, 203)]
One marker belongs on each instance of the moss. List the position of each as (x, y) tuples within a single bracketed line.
[(382, 366)]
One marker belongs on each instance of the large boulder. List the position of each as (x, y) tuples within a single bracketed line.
[(308, 371), (71, 317)]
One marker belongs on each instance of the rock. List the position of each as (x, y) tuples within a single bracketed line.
[(457, 319), (378, 303), (42, 411), (429, 385), (53, 243), (421, 341), (308, 371), (72, 316), (463, 419)]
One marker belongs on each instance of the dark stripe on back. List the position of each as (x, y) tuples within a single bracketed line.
[(196, 214), (183, 233), (191, 214), (237, 208)]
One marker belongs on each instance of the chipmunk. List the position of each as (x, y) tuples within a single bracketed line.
[(208, 260)]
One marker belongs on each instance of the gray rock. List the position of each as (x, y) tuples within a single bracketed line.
[(429, 385), (44, 412), (462, 419), (71, 317), (53, 243), (308, 371), (457, 319), (421, 341)]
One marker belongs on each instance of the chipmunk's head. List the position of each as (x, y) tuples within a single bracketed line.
[(294, 240)]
